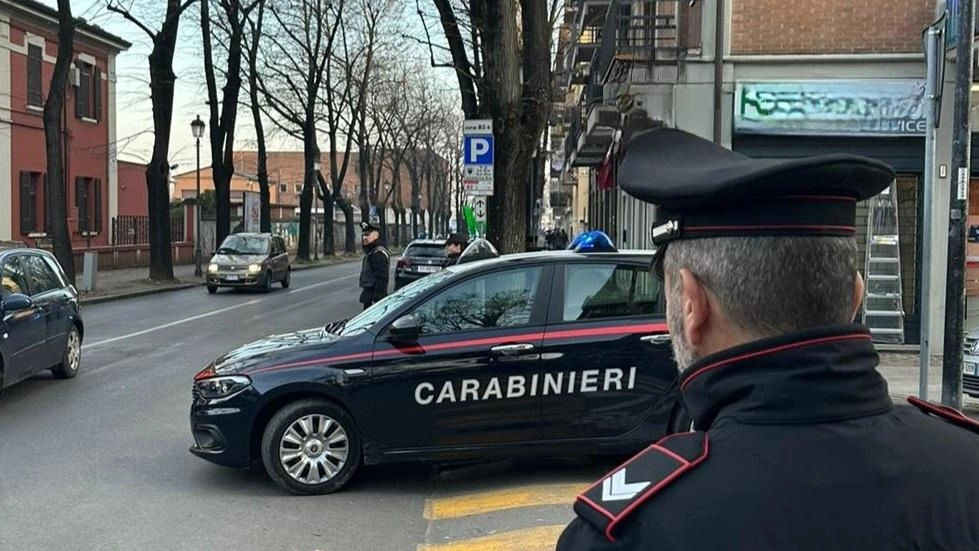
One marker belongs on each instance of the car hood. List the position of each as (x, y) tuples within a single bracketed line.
[(237, 259), (274, 350)]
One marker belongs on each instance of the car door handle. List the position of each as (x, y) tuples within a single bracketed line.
[(663, 338), (512, 349)]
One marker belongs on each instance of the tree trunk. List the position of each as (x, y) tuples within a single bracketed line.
[(310, 155), (54, 108), (350, 230), (256, 108), (158, 193)]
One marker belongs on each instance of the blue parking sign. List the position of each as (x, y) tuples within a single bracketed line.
[(477, 150)]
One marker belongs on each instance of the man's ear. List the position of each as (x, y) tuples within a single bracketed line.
[(695, 307), (858, 290)]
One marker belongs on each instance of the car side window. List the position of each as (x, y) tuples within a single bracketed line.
[(596, 291), (42, 277), (12, 278), (498, 299)]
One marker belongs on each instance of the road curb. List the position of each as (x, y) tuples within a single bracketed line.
[(139, 293), (182, 286)]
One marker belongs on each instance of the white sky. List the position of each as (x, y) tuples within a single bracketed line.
[(134, 126)]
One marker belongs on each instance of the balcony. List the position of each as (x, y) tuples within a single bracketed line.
[(588, 139), (645, 34)]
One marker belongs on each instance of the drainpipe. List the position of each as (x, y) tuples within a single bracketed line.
[(718, 68)]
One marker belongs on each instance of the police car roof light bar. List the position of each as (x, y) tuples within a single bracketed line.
[(592, 242)]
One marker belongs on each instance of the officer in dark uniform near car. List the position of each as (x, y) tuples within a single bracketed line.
[(375, 270), (453, 248), (796, 443)]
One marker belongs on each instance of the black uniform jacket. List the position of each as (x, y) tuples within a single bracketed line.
[(798, 446), (374, 273)]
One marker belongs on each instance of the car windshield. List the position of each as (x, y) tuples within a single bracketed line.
[(394, 301), (425, 251), (244, 244)]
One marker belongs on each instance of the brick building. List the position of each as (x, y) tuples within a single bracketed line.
[(28, 48), (824, 76)]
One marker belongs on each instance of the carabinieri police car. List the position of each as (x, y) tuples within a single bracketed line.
[(560, 353)]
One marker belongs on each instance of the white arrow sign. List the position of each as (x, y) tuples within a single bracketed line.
[(615, 488)]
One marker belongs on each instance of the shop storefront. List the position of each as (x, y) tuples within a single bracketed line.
[(878, 118)]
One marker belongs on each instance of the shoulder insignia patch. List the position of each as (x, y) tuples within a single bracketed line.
[(946, 413), (607, 502)]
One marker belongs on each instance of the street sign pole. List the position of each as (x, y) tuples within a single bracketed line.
[(958, 210), (933, 57)]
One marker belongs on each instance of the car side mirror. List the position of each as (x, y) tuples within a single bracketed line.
[(16, 302), (405, 329)]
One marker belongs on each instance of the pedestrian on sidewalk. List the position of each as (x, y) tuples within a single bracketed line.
[(796, 443), (376, 266)]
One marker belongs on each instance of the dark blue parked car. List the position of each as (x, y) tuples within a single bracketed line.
[(40, 322)]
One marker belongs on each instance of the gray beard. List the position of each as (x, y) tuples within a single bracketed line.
[(683, 353)]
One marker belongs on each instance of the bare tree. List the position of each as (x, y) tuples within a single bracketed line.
[(162, 79), (254, 41), (56, 193), (506, 77), (230, 29), (300, 47)]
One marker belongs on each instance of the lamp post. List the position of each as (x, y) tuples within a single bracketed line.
[(197, 127)]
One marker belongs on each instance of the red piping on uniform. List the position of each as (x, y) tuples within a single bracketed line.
[(728, 361), (659, 486), (826, 227), (684, 467), (671, 454), (623, 329), (945, 412)]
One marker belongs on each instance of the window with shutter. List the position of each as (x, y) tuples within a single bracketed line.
[(28, 206), (97, 206), (47, 199), (82, 93), (35, 62), (81, 202), (96, 93)]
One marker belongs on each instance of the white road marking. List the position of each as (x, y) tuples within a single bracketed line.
[(204, 315)]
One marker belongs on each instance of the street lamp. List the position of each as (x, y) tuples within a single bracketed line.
[(316, 183), (197, 127)]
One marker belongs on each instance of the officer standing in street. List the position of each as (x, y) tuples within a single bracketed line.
[(796, 443), (375, 270), (453, 248)]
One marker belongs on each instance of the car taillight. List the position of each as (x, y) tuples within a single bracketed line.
[(404, 263), (205, 373)]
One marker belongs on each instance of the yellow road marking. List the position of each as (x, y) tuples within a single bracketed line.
[(542, 538), (498, 500)]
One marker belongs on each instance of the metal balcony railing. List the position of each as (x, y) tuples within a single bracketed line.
[(648, 32), (576, 127)]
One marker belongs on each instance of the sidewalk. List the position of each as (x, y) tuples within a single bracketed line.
[(134, 282), (902, 374)]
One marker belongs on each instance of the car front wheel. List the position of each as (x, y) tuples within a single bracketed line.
[(72, 357), (311, 447)]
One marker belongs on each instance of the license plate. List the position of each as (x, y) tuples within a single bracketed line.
[(969, 368), (428, 269), (231, 277)]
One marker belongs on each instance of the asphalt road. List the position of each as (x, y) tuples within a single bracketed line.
[(101, 461)]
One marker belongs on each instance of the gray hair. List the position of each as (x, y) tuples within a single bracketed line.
[(769, 286)]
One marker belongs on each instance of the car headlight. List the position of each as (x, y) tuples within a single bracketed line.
[(254, 268), (213, 268), (218, 388)]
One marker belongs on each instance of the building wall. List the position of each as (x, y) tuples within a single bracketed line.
[(771, 27), (88, 139), (133, 197)]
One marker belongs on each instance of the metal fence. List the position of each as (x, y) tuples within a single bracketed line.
[(135, 230)]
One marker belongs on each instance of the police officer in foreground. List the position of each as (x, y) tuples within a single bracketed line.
[(375, 270), (453, 248), (796, 443)]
